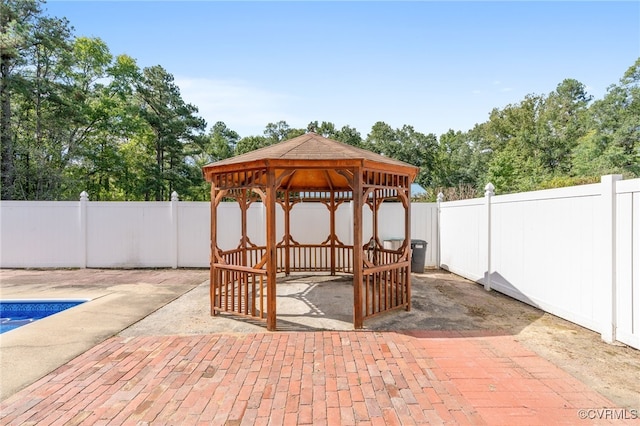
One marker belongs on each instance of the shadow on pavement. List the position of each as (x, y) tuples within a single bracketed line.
[(440, 301)]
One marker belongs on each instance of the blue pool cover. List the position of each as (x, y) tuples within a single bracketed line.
[(16, 313)]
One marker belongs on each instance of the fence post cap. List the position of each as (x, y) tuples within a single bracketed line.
[(174, 196), (84, 196), (440, 197), (489, 189)]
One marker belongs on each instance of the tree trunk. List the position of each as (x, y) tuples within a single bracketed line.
[(7, 169)]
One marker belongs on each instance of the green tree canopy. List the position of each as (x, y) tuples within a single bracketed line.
[(76, 117)]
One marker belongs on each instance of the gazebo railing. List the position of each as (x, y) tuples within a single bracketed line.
[(382, 256), (254, 255), (302, 257), (385, 288), (315, 258), (240, 290)]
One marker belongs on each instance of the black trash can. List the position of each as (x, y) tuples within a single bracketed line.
[(418, 254)]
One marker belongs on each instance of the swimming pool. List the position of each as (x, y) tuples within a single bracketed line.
[(18, 312)]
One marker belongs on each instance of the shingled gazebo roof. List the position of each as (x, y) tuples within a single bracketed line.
[(313, 156)]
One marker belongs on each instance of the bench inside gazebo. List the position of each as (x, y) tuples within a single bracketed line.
[(310, 168)]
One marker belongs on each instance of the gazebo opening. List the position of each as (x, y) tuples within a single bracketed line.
[(280, 179)]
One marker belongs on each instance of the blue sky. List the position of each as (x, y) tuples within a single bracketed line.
[(432, 65)]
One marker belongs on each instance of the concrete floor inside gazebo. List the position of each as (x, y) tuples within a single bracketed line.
[(317, 302), (304, 302)]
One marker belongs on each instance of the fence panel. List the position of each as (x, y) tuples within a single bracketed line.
[(572, 252), (463, 238), (129, 234), (194, 234), (424, 226), (41, 234), (628, 262), (545, 250), (309, 223)]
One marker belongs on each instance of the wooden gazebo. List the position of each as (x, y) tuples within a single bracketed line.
[(313, 168)]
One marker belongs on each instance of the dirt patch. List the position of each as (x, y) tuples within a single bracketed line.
[(476, 311)]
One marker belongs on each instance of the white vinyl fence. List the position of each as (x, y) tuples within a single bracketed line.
[(99, 234), (573, 252)]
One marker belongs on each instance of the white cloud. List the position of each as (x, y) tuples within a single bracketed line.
[(242, 107)]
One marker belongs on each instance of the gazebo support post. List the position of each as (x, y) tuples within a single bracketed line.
[(287, 234), (271, 250), (212, 256), (332, 225), (374, 208), (244, 206), (407, 238), (358, 264)]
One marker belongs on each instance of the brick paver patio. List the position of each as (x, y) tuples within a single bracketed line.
[(364, 378)]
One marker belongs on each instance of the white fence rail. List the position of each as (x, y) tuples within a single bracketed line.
[(96, 234), (573, 252)]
